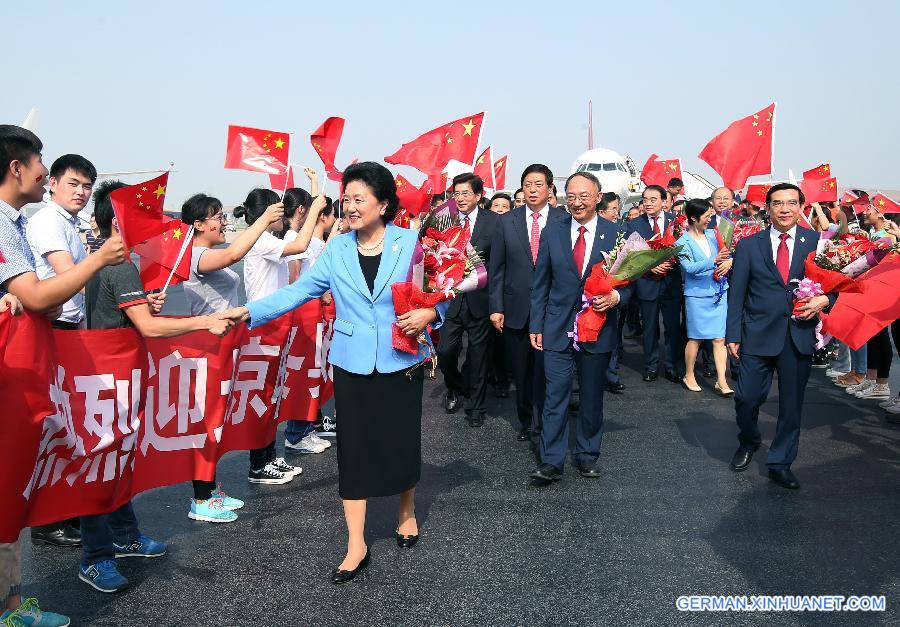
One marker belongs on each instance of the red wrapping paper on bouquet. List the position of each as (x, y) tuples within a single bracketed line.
[(831, 281), (588, 322), (408, 296)]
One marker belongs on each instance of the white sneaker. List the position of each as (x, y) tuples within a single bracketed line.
[(306, 445), (320, 441), (853, 389), (891, 401), (282, 466), (893, 409), (879, 390), (269, 475), (831, 373)]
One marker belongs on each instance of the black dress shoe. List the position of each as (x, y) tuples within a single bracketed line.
[(63, 536), (707, 372), (451, 402), (615, 388), (547, 473), (523, 435), (785, 478), (672, 376), (343, 576), (650, 375), (741, 459), (476, 419), (589, 470)]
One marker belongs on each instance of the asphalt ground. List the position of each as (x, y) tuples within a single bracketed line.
[(667, 518)]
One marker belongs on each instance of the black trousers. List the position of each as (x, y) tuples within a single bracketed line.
[(473, 384), (527, 368), (497, 368), (880, 354)]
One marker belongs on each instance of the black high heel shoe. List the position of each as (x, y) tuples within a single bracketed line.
[(343, 576), (406, 542)]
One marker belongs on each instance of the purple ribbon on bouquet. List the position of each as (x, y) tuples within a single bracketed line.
[(585, 303)]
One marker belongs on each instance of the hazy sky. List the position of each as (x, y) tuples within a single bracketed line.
[(137, 85)]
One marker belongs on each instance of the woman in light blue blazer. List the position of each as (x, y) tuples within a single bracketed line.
[(377, 389), (705, 299)]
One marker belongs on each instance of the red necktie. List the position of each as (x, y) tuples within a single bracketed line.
[(656, 231), (783, 258), (578, 250), (535, 235), (466, 226)]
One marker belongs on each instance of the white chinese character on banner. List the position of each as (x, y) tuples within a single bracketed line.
[(242, 389), (187, 408), (286, 362)]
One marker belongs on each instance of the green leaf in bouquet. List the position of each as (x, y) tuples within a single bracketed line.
[(726, 228), (638, 263)]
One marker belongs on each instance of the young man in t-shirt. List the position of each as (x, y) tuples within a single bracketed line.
[(116, 300)]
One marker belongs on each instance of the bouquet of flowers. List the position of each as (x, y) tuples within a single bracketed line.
[(728, 234), (670, 236), (444, 264), (629, 259), (850, 254)]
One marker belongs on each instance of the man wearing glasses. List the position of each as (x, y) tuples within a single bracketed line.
[(764, 336), (468, 312)]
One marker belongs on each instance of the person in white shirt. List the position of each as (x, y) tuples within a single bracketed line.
[(265, 271)]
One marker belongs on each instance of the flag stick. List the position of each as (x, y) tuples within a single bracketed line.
[(184, 246), (774, 115), (287, 174)]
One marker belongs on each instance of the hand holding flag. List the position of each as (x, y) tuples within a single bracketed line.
[(139, 209)]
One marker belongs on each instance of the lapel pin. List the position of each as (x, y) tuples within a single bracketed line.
[(395, 248), (602, 235), (802, 239)]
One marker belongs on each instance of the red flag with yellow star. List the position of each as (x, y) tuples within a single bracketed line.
[(484, 168), (414, 200), (325, 141), (282, 181), (819, 172), (756, 193), (657, 172), (139, 209), (159, 255), (742, 150), (257, 150), (432, 151), (500, 172), (883, 204), (819, 190)]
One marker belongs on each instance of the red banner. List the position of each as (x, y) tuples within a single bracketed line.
[(92, 418)]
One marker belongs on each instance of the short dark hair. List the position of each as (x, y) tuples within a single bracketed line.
[(258, 200), (294, 198), (199, 207), (103, 209), (538, 168), (585, 175), (328, 209), (655, 188), (675, 182), (380, 180), (502, 196), (516, 193), (76, 163), (472, 179), (16, 144), (609, 197), (695, 208), (780, 188)]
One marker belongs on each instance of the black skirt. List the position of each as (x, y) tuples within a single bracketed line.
[(379, 434)]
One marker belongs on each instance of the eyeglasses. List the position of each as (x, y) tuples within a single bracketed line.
[(582, 197), (778, 204), (219, 217), (465, 194)]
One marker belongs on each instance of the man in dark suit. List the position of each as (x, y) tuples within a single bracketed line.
[(568, 251), (468, 312), (659, 291), (608, 209), (513, 255), (764, 336)]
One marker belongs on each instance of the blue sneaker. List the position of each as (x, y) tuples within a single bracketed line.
[(142, 547), (211, 510), (228, 502), (103, 576), (8, 620), (30, 615)]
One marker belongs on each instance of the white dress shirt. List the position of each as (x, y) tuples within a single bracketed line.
[(591, 229), (775, 236), (53, 229), (660, 221), (543, 213), (472, 215)]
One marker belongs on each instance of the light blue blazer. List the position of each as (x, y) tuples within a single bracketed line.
[(696, 268), (362, 330)]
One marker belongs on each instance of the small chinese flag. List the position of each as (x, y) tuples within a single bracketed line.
[(500, 172), (257, 150), (819, 172), (325, 141), (657, 172), (139, 209), (413, 200), (160, 254), (883, 204), (859, 202), (282, 181), (432, 151), (819, 190), (742, 150), (484, 168), (756, 193)]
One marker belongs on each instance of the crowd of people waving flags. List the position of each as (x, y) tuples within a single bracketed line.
[(366, 296)]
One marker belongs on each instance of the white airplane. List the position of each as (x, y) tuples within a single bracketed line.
[(616, 172)]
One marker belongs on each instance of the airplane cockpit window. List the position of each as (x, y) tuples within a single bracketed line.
[(609, 167), (581, 168), (621, 168), (594, 167)]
